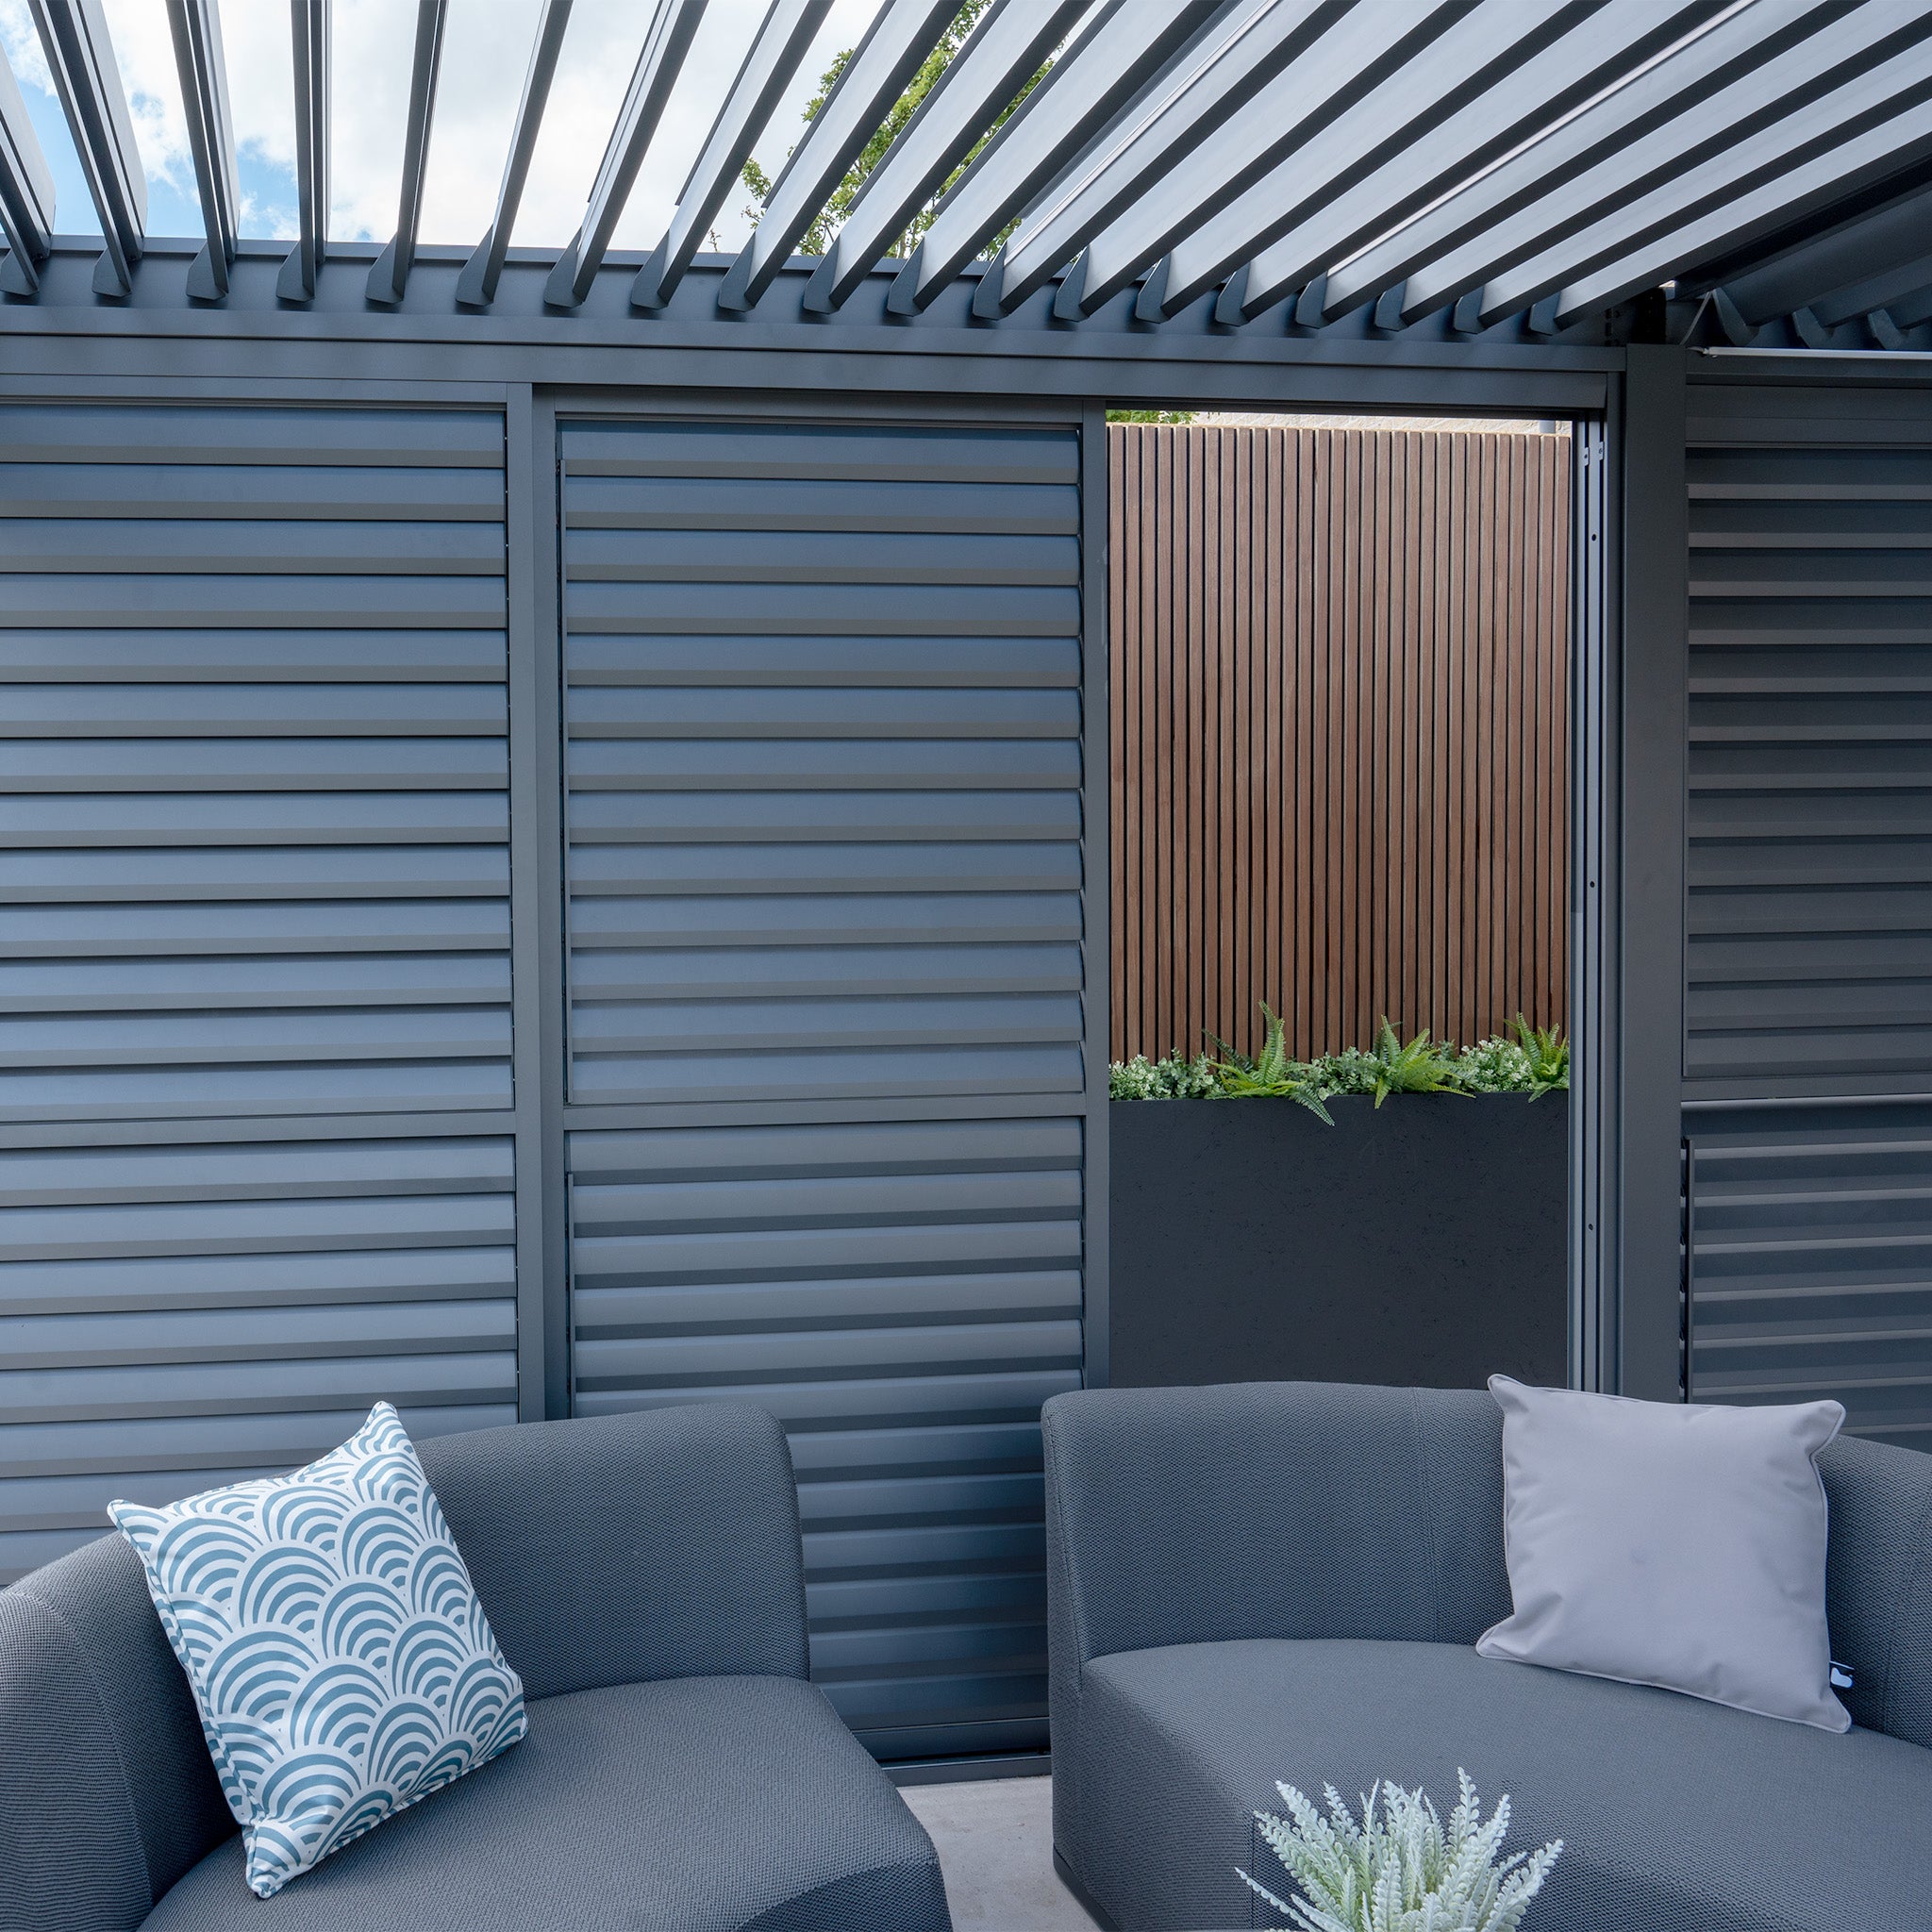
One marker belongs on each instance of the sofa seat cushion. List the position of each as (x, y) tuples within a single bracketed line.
[(1673, 1811), (695, 1804)]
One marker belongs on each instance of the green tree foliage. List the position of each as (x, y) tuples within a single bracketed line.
[(817, 239), (1174, 416)]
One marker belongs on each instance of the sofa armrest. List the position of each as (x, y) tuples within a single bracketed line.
[(628, 1548), (107, 1792), (1272, 1509)]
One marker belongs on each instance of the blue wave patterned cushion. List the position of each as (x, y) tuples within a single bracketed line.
[(339, 1660)]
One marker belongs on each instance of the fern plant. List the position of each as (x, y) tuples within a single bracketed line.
[(1273, 1073), (1548, 1054), (1422, 1065), (1398, 1869)]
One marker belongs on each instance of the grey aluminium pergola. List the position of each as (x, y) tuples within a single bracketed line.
[(555, 827)]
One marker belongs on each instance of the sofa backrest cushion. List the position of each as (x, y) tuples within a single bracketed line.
[(628, 1548), (1274, 1509), (1878, 1583)]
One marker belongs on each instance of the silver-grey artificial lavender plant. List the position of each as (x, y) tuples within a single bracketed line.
[(1398, 1869)]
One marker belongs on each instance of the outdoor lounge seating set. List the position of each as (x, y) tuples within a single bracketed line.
[(1246, 1583)]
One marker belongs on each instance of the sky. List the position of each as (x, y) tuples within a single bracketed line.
[(486, 49)]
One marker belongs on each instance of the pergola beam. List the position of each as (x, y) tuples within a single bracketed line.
[(476, 285), (197, 30), (1286, 233), (80, 54), (1882, 259), (390, 275), (1354, 94), (781, 43), (1713, 176), (1005, 51), (1123, 47), (309, 31), (1225, 71), (1615, 133), (666, 40), (27, 192), (902, 34)]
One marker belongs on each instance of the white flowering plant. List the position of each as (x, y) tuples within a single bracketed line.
[(1399, 1869)]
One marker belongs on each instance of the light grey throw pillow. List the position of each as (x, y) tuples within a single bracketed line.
[(1679, 1544)]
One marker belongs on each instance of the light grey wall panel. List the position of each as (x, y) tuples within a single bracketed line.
[(822, 723), (254, 840), (174, 1317), (1809, 967), (903, 1297)]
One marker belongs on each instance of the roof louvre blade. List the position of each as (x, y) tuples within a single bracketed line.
[(1122, 46), (1351, 90), (310, 26), (476, 285), (782, 42), (1897, 142), (81, 56), (1222, 73), (197, 29), (1286, 242), (902, 34), (27, 192), (1717, 170), (1004, 53), (389, 275), (1450, 248), (1882, 259), (666, 40)]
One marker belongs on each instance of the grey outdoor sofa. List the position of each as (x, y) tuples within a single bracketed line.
[(1285, 1580), (643, 1574)]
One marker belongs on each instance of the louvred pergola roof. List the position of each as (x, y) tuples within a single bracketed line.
[(1531, 166)]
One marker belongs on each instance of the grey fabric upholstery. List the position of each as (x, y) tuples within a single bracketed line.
[(606, 1552), (107, 1792), (619, 1549), (1262, 1509), (690, 1804), (1328, 1521), (1878, 1584), (1674, 1812)]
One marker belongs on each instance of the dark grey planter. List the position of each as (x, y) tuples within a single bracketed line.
[(1422, 1243)]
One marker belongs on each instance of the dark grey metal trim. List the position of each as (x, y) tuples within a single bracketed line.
[(80, 53), (27, 192), (1096, 890), (1595, 803), (390, 274), (1649, 935), (476, 285), (302, 271), (666, 40), (197, 30), (782, 41)]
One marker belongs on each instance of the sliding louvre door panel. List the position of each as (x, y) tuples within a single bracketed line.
[(254, 852), (174, 1317), (1807, 1052), (824, 866)]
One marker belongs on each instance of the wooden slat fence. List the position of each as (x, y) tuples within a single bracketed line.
[(1338, 733)]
